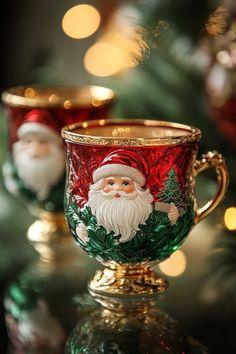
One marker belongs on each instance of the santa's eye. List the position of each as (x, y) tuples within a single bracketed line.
[(26, 141), (42, 142), (110, 183), (126, 183)]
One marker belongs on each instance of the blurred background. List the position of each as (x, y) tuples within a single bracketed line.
[(168, 60)]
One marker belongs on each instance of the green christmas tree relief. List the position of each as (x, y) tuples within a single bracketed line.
[(172, 193)]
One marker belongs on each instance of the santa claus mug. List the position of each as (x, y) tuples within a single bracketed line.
[(35, 168), (130, 197), (34, 172)]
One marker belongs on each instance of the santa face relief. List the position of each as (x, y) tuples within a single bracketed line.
[(120, 205), (39, 162), (35, 145)]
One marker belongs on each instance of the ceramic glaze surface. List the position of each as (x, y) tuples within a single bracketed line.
[(130, 204)]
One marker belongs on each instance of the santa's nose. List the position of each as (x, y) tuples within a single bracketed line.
[(34, 149), (117, 187)]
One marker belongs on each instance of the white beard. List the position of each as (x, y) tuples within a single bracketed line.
[(39, 174), (121, 215)]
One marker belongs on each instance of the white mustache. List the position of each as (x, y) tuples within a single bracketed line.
[(122, 194)]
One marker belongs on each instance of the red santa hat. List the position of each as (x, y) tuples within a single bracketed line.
[(126, 163), (41, 123)]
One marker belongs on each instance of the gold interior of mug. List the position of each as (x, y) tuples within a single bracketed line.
[(130, 132), (67, 97)]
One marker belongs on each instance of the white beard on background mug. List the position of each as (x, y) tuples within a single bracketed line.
[(41, 173), (121, 215)]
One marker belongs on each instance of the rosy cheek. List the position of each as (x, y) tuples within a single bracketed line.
[(128, 189), (44, 150), (106, 189)]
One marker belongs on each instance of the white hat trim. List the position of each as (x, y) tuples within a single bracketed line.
[(121, 170), (38, 128)]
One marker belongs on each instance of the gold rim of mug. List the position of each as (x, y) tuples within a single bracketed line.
[(68, 97), (68, 134)]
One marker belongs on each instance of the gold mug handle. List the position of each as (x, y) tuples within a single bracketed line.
[(212, 159)]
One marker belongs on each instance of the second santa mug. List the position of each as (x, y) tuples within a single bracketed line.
[(35, 168), (130, 194)]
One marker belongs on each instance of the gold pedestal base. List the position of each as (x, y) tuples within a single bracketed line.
[(51, 238), (137, 285)]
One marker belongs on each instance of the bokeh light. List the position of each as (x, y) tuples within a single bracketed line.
[(29, 92), (230, 218), (103, 59), (175, 265), (81, 21), (121, 46)]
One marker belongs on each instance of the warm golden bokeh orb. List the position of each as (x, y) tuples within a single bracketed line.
[(175, 265), (81, 21)]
